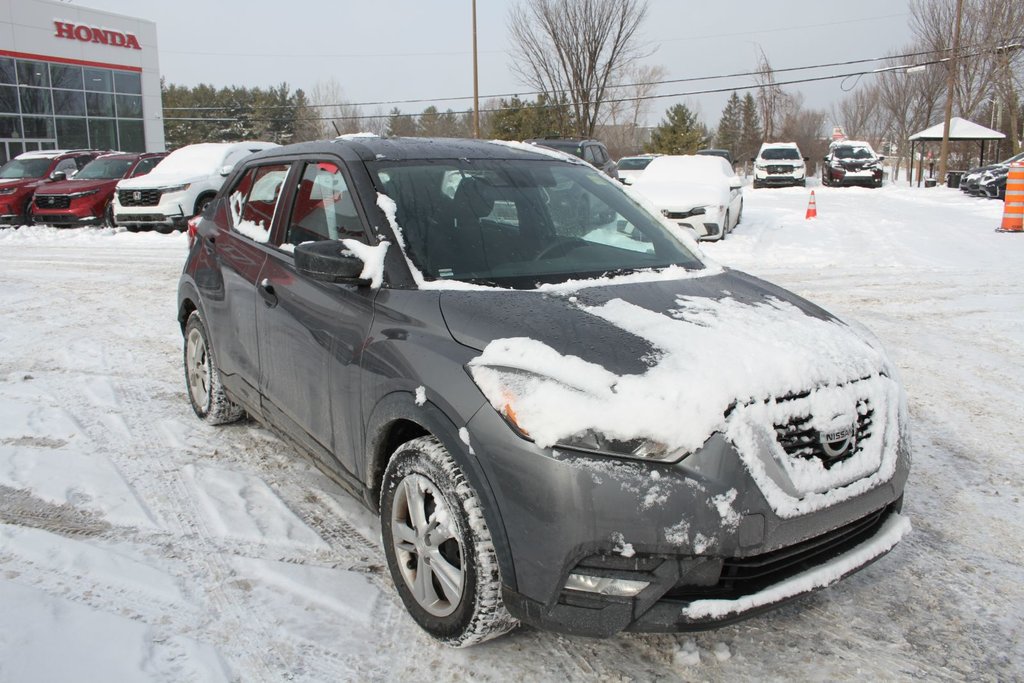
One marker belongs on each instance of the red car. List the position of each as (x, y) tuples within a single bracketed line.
[(85, 199), (22, 175)]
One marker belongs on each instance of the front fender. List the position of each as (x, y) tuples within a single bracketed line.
[(397, 416)]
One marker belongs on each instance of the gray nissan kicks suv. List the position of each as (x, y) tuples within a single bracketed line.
[(564, 414)]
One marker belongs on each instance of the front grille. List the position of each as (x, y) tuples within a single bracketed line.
[(138, 197), (780, 169), (800, 440), (53, 201), (747, 575)]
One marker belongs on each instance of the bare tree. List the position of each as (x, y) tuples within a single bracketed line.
[(770, 97), (337, 116), (576, 49), (621, 129), (861, 115)]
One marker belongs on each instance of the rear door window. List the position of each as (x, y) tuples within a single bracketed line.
[(254, 200)]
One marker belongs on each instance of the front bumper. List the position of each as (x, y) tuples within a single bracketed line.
[(868, 177), (168, 213), (796, 177), (690, 530)]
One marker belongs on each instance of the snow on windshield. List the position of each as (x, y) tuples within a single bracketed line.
[(684, 396)]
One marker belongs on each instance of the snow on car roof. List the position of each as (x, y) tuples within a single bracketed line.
[(767, 145), (690, 167), (204, 156)]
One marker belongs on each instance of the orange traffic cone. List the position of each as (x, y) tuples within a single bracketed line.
[(1013, 206), (812, 208)]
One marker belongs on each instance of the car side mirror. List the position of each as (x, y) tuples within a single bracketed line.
[(225, 170), (752, 160), (807, 158), (57, 176), (735, 183), (881, 158), (328, 261)]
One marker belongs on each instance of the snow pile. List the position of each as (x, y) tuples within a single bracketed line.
[(372, 258), (253, 231)]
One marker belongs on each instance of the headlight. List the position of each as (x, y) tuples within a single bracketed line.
[(507, 389), (596, 443), (760, 166), (8, 190), (76, 195), (176, 188)]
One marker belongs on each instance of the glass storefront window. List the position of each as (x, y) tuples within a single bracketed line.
[(7, 72), (69, 102), (128, 82), (38, 126), (102, 134), (99, 104), (35, 101), (72, 133), (133, 137), (10, 127), (8, 99), (69, 77), (33, 73), (129, 106), (99, 80)]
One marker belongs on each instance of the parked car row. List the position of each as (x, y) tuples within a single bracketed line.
[(68, 188), (988, 181)]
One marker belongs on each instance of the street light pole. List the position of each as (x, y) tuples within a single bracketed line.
[(476, 82), (950, 83)]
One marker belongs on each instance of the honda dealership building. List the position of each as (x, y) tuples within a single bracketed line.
[(74, 78)]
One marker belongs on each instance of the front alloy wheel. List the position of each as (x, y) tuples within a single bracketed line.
[(438, 546)]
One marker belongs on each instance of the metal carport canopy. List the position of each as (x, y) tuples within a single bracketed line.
[(959, 131)]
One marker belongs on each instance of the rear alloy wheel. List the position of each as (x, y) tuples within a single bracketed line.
[(202, 377), (439, 548)]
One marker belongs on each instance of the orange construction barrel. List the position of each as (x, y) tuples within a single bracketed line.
[(1013, 205)]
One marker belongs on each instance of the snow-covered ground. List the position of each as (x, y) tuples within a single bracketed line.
[(137, 543)]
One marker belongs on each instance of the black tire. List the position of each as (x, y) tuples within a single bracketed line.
[(202, 202), (739, 214), (202, 377), (420, 480), (725, 227), (108, 216), (29, 220), (803, 183), (757, 185)]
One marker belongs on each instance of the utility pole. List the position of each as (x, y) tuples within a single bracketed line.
[(950, 84), (476, 82)]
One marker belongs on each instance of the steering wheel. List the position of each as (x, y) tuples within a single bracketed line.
[(560, 246)]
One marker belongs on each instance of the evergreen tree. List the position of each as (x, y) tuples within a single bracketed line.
[(520, 120), (752, 136), (400, 125), (730, 127), (679, 133)]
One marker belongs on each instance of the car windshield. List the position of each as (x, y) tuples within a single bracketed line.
[(104, 169), (850, 152), (568, 146), (776, 153), (24, 168), (634, 163), (522, 223)]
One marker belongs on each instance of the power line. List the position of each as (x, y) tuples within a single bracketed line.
[(756, 86), (692, 79)]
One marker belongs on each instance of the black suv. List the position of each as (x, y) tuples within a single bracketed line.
[(592, 151), (502, 352)]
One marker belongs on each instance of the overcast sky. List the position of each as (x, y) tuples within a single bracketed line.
[(392, 50)]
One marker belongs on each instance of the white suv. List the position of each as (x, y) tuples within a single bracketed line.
[(779, 163), (180, 185)]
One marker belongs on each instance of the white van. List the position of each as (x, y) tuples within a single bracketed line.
[(180, 185)]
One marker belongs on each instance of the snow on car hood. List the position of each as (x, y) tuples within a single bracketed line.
[(681, 196), (678, 361)]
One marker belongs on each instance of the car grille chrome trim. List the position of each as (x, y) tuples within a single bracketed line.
[(800, 440), (53, 201), (139, 197)]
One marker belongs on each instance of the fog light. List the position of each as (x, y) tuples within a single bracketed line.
[(604, 585)]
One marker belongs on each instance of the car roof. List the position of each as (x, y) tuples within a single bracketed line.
[(789, 145), (51, 153), (367, 148)]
